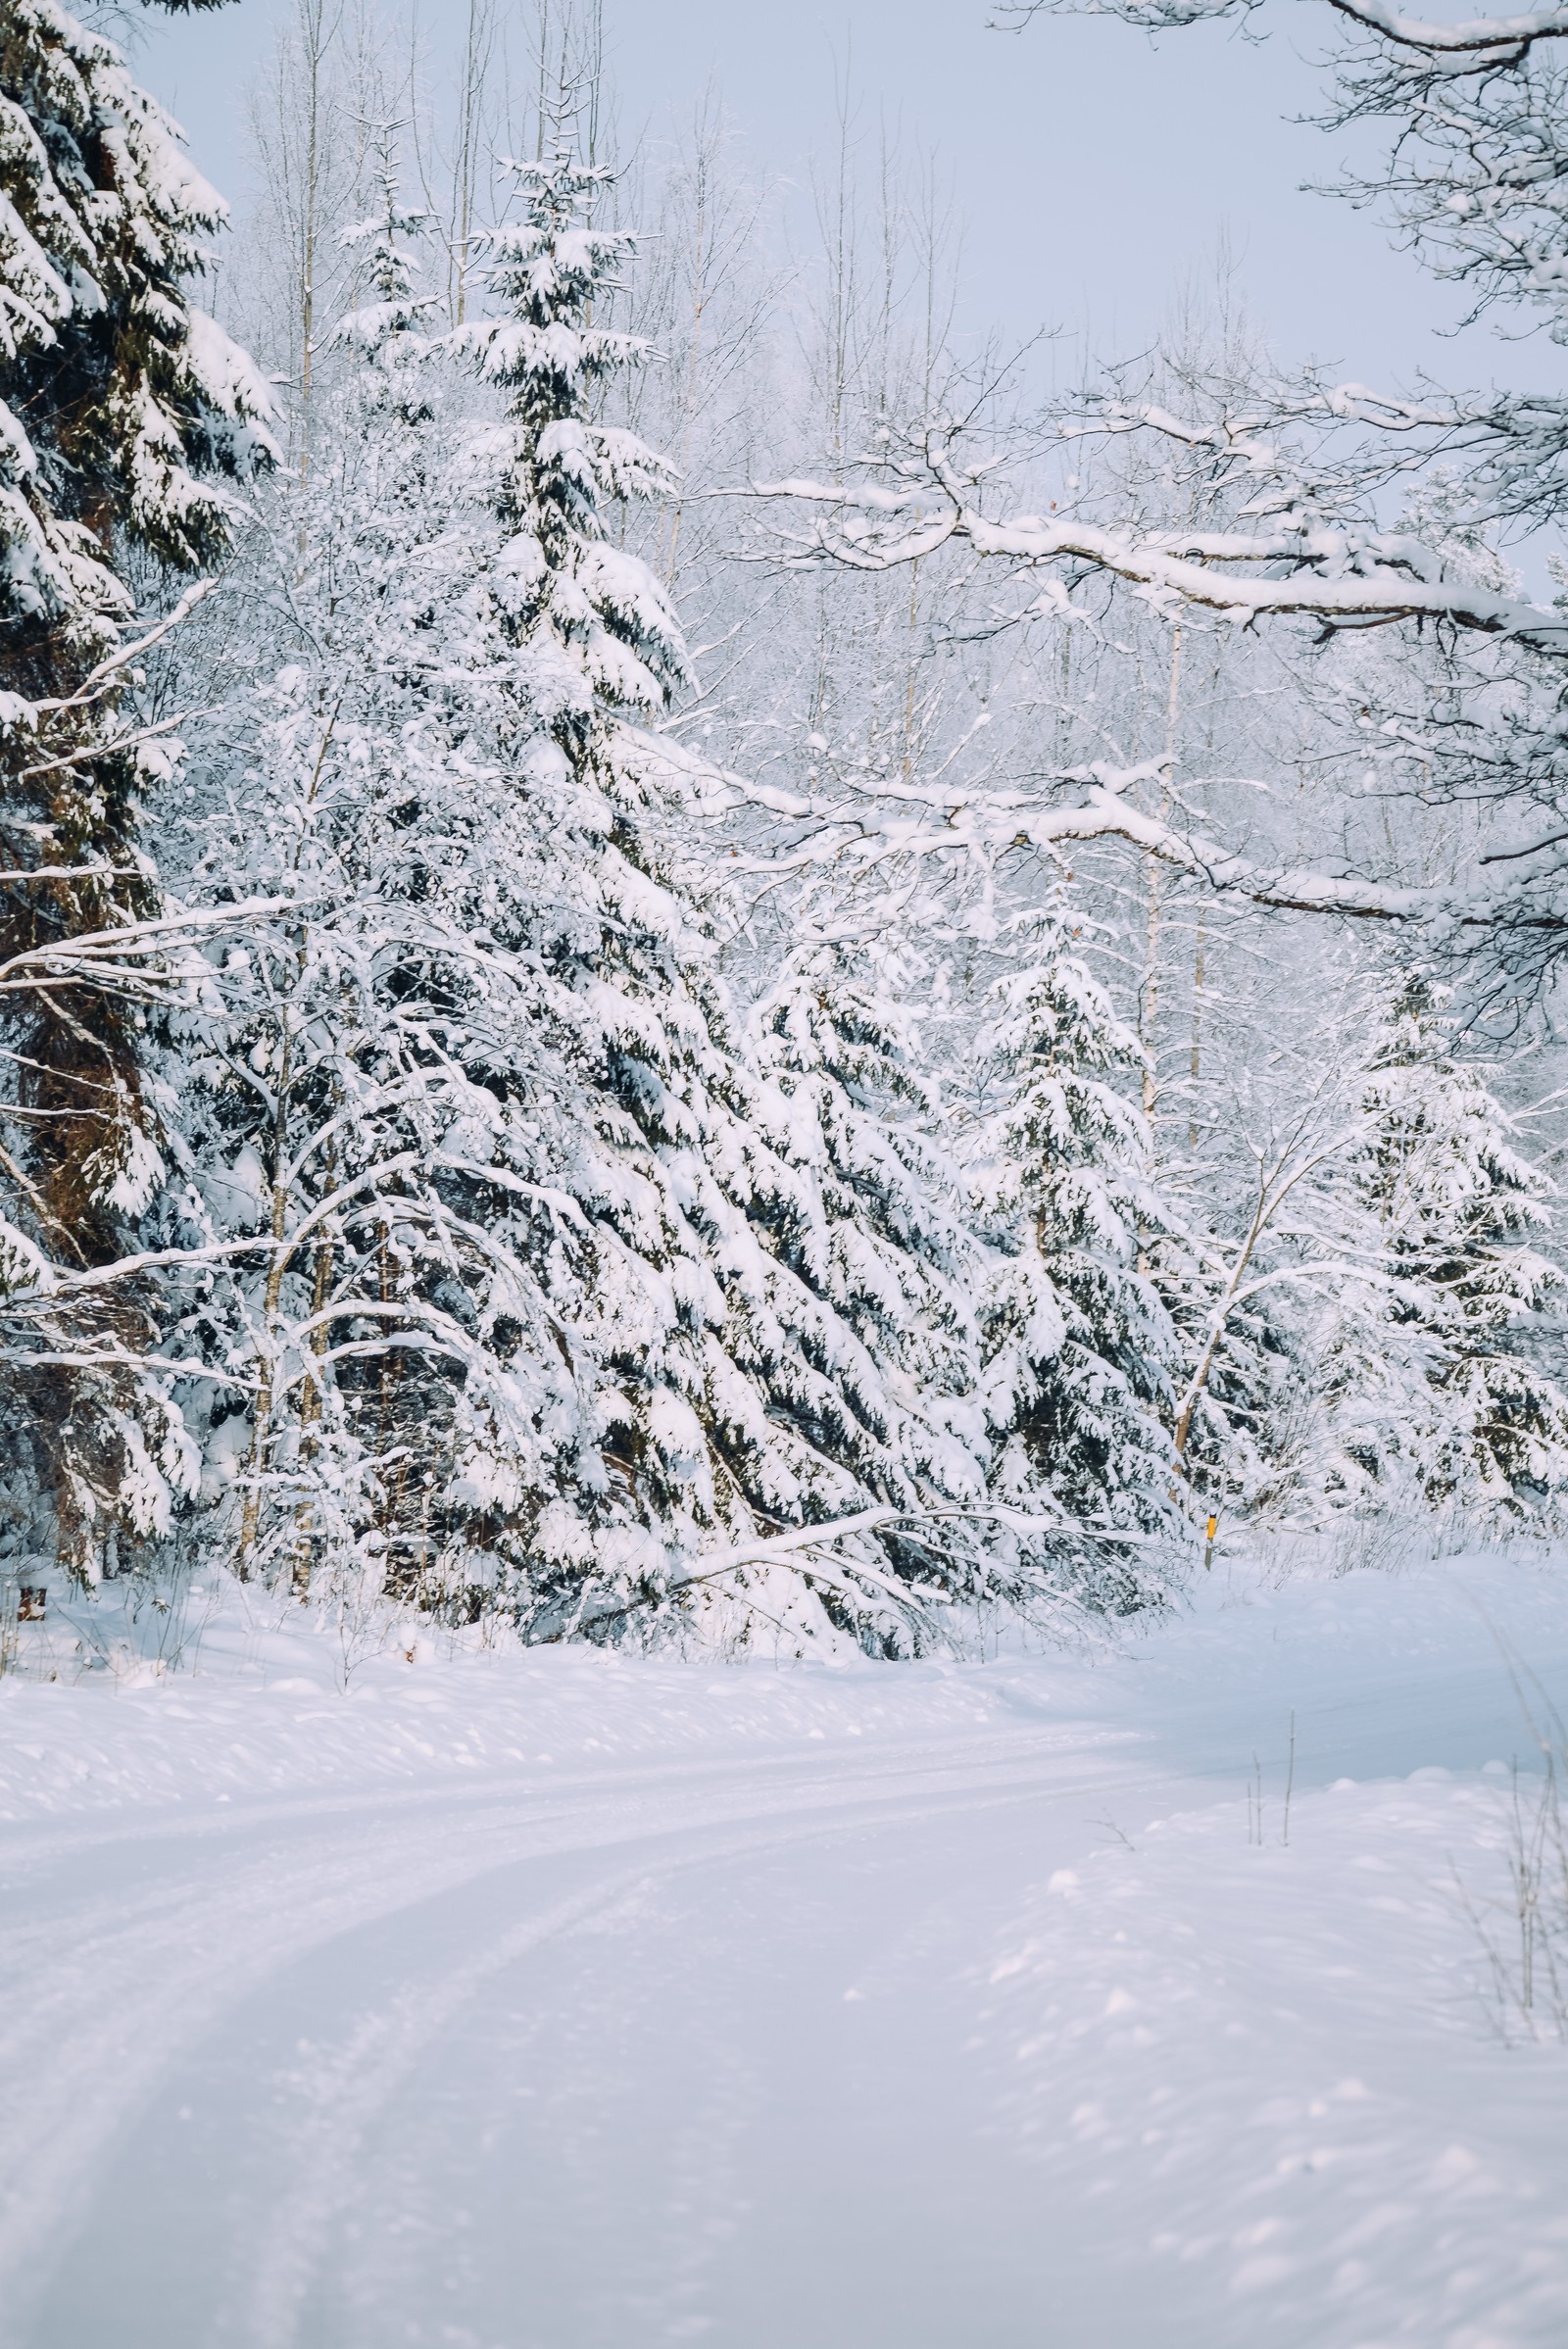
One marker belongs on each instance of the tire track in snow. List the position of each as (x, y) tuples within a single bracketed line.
[(379, 2055), (198, 1951)]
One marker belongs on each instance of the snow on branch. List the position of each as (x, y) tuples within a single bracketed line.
[(127, 954), (1483, 36), (1310, 571), (809, 1548), (857, 837)]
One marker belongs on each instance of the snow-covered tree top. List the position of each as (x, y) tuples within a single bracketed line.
[(123, 401), (385, 329), (554, 468)]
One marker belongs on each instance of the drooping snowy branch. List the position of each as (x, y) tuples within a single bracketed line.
[(1306, 569), (1488, 39)]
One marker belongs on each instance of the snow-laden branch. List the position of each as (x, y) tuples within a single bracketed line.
[(1483, 36), (1471, 34), (112, 745), (810, 1543), (803, 1539), (73, 872), (125, 655), (93, 958), (857, 837), (1336, 574), (17, 711), (120, 1357)]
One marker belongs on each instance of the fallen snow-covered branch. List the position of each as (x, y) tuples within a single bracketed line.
[(811, 1541)]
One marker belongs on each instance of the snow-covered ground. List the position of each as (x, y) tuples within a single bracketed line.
[(566, 2002)]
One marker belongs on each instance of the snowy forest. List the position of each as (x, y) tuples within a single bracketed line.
[(783, 1175), (688, 959)]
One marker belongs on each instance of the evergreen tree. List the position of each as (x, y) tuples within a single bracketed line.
[(1078, 1350), (537, 1326), (736, 1397), (1431, 1371), (847, 1101), (118, 401), (368, 1054)]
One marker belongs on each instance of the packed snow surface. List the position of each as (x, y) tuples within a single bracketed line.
[(562, 2000)]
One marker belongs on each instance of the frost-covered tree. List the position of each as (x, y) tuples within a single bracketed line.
[(880, 1234), (1469, 174), (537, 1315), (119, 402), (1434, 1374), (735, 1393), (372, 1046), (1079, 1350), (858, 1108)]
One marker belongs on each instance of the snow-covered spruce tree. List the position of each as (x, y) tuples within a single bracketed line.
[(1078, 1350), (1432, 1377), (366, 1069), (1266, 1245), (734, 1396), (116, 398), (528, 1334), (884, 1241), (1246, 1415)]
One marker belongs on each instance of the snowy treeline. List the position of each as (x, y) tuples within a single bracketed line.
[(668, 962)]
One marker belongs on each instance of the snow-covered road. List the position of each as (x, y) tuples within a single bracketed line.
[(814, 2010)]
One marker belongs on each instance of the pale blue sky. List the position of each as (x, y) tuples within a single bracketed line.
[(1095, 169)]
